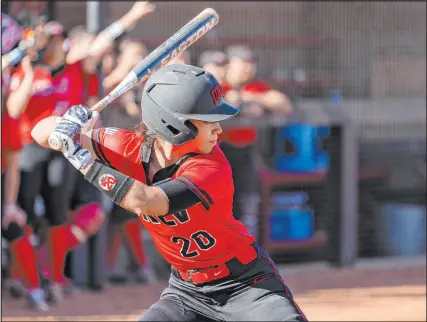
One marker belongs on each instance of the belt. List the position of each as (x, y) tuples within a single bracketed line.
[(218, 271)]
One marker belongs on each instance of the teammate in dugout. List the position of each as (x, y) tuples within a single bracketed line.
[(23, 261), (172, 174), (254, 98), (54, 86)]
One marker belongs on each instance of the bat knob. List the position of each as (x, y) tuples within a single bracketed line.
[(54, 142)]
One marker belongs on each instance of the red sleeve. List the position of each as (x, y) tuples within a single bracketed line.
[(257, 86), (93, 89), (118, 148), (209, 177)]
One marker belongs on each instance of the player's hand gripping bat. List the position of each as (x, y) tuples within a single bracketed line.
[(180, 41)]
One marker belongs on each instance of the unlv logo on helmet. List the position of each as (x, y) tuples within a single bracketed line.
[(107, 182), (217, 93)]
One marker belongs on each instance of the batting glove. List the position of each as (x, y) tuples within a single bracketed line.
[(69, 134), (78, 114), (80, 158), (69, 126)]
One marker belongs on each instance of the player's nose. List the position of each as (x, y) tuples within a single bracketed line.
[(217, 129)]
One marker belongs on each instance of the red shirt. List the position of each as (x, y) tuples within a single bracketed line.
[(39, 105), (71, 87), (10, 140), (243, 136), (201, 236)]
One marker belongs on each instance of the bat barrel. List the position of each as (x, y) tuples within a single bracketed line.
[(176, 44)]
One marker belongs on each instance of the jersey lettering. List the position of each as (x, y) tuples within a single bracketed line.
[(178, 218), (154, 220), (202, 239)]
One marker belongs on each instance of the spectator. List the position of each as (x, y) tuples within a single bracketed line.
[(214, 62), (254, 98)]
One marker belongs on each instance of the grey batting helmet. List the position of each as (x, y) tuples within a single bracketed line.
[(176, 94)]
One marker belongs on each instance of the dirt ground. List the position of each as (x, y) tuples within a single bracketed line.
[(324, 294)]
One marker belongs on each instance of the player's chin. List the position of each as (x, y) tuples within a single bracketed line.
[(208, 147)]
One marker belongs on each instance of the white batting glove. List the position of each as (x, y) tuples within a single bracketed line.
[(78, 114), (69, 134), (69, 126), (80, 158)]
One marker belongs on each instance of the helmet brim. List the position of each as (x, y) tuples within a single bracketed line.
[(221, 112)]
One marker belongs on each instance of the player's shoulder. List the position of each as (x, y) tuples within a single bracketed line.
[(117, 136), (117, 133), (215, 159), (112, 144)]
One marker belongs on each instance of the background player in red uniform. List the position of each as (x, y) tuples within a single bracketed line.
[(215, 62), (23, 263), (46, 172), (254, 98), (175, 177)]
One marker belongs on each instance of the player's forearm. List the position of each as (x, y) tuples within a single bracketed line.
[(129, 193), (276, 102), (12, 177), (112, 32), (116, 76), (18, 100)]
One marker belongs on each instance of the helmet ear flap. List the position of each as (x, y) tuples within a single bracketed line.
[(192, 127)]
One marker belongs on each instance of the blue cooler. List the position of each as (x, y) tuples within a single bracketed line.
[(291, 219), (304, 152)]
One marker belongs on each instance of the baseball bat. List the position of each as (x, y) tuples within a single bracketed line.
[(180, 41)]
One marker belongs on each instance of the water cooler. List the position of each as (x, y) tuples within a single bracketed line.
[(291, 218), (299, 148)]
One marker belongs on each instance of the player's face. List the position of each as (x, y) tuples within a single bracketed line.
[(207, 136), (240, 71), (55, 54), (217, 70)]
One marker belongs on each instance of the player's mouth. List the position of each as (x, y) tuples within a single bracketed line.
[(214, 141)]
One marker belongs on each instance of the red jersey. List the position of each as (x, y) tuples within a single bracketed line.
[(71, 87), (243, 136), (39, 105), (10, 140), (201, 236)]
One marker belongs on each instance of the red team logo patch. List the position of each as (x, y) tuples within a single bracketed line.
[(107, 182), (217, 93)]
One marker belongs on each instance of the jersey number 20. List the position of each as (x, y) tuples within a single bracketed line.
[(202, 238)]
